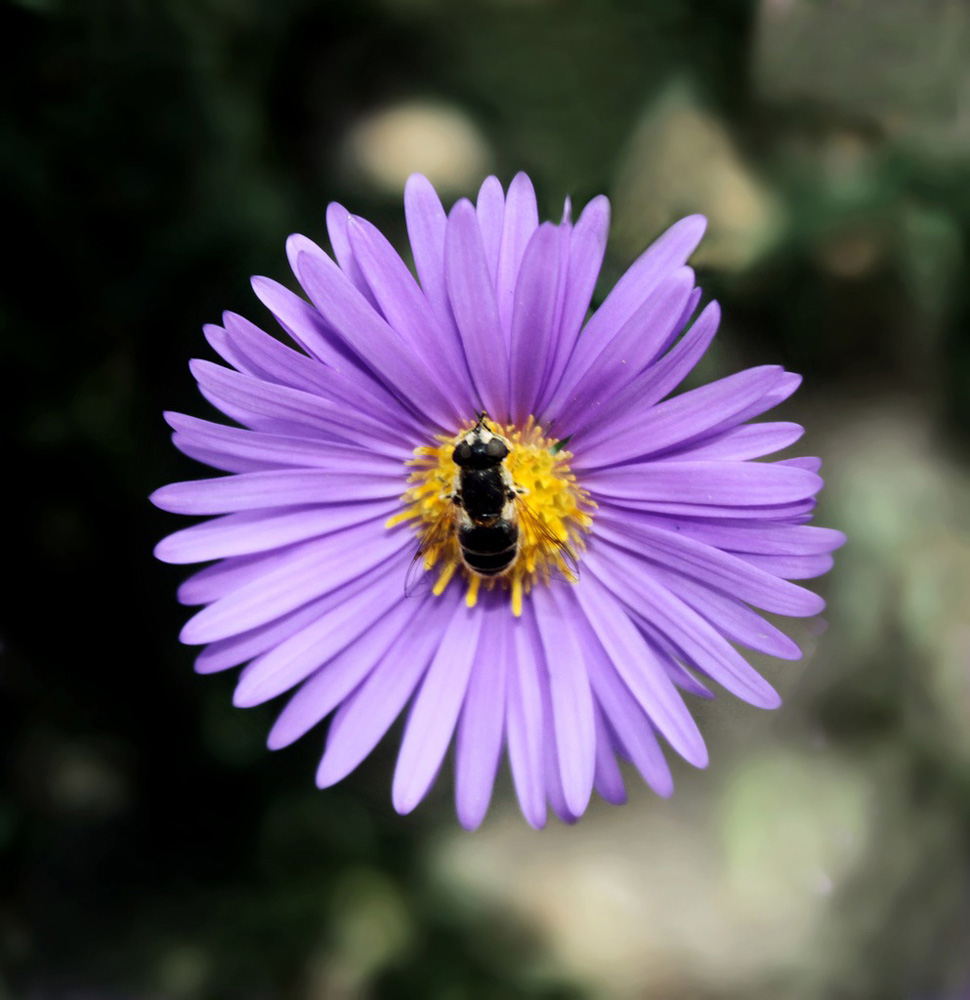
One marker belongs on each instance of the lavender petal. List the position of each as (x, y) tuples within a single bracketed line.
[(641, 670), (336, 680), (519, 222), (570, 698), (524, 716), (475, 309), (659, 610), (533, 317), (480, 730), (294, 583), (727, 484), (367, 714)]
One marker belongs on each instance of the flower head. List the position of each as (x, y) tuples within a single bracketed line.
[(580, 547)]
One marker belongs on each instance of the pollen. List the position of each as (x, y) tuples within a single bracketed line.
[(553, 513)]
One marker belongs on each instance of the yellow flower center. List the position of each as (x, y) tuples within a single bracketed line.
[(552, 513)]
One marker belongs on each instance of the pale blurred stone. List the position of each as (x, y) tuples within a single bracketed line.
[(681, 159), (905, 574), (437, 140), (712, 893), (369, 928), (902, 64)]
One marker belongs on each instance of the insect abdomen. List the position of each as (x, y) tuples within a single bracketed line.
[(489, 550)]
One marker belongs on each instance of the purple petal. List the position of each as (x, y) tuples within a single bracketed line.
[(641, 670), (586, 247), (681, 676), (608, 780), (571, 698), (520, 221), (479, 743), (490, 211), (728, 484), (277, 488), (297, 657), (216, 581), (551, 767), (638, 433), (658, 610), (367, 714), (301, 321), (338, 223), (427, 223), (652, 267), (220, 342), (346, 379), (630, 726), (320, 694), (268, 359), (558, 349), (525, 720), (244, 646), (749, 536), (793, 513), (533, 316), (407, 310), (811, 464), (262, 406), (743, 443), (259, 531), (436, 707), (368, 335), (217, 459), (788, 382), (792, 567), (264, 451), (729, 616), (297, 581), (660, 379), (624, 355), (689, 309), (475, 309), (713, 567)]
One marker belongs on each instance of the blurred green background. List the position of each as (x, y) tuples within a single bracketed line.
[(154, 155)]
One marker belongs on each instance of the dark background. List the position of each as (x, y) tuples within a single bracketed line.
[(152, 157)]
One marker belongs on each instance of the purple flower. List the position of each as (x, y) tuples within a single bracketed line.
[(345, 467)]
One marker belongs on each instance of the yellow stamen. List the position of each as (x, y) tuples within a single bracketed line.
[(444, 578), (517, 596), (471, 595), (553, 516)]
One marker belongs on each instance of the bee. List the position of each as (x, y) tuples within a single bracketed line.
[(485, 510)]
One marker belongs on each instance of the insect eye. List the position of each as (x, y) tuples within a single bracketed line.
[(496, 449), (462, 453)]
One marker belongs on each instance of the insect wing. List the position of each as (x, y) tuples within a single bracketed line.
[(544, 534), (435, 534)]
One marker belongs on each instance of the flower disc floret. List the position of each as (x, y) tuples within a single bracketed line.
[(555, 511)]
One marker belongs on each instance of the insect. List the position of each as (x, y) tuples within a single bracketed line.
[(486, 511)]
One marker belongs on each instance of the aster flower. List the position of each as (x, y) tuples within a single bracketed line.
[(644, 535)]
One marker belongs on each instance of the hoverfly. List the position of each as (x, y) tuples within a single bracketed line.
[(486, 510)]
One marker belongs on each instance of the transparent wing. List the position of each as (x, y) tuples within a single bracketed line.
[(436, 534), (546, 537)]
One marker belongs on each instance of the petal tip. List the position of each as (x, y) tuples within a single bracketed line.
[(189, 634), (470, 820), (405, 799), (162, 551), (278, 738), (157, 497)]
